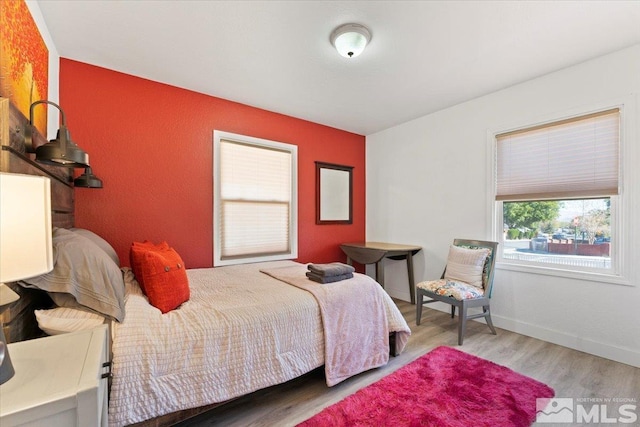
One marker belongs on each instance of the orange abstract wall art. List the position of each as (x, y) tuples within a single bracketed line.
[(24, 60)]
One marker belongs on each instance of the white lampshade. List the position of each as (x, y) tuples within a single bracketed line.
[(350, 39), (25, 226)]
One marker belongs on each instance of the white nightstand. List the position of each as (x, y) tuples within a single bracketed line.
[(59, 381)]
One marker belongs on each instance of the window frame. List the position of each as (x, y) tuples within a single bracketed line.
[(219, 136), (621, 249)]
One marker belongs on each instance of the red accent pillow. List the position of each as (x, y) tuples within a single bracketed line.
[(136, 258), (163, 274)]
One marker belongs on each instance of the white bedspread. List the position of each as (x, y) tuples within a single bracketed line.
[(240, 331)]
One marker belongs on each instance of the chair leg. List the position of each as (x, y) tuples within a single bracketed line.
[(419, 302), (487, 311), (462, 323), (453, 311)]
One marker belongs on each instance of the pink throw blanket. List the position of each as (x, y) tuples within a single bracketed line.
[(356, 331)]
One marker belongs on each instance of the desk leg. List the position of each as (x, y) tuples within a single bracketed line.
[(380, 272), (349, 262), (412, 284)]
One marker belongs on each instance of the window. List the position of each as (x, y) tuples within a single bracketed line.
[(557, 188), (255, 199)]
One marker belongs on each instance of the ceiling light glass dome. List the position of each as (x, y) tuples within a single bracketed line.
[(350, 39)]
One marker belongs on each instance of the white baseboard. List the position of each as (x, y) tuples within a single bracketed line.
[(608, 351)]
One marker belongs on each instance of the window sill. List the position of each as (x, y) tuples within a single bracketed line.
[(606, 278)]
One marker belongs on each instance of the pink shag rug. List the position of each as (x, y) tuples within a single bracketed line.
[(445, 387)]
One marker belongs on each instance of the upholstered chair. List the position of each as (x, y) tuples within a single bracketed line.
[(465, 283)]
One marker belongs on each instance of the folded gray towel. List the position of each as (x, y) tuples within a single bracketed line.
[(328, 279), (332, 269)]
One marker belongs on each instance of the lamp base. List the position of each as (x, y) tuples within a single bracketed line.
[(6, 367)]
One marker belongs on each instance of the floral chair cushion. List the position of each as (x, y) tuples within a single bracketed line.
[(452, 288)]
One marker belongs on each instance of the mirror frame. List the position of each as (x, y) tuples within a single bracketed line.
[(322, 199)]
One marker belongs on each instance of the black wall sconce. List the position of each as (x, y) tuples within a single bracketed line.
[(62, 151), (87, 180)]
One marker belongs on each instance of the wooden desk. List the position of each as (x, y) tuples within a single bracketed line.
[(374, 252)]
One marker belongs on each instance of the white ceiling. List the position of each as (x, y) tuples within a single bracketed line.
[(424, 55)]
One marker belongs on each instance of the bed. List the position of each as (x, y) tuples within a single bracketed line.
[(243, 328)]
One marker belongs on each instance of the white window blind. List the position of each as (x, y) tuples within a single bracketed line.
[(255, 197), (572, 158)]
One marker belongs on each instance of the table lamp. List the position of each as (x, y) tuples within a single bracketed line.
[(25, 241)]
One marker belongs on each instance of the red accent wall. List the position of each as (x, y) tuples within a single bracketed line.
[(152, 146)]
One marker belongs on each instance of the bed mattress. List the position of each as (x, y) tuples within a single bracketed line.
[(239, 332)]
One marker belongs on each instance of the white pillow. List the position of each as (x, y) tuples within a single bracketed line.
[(466, 265), (61, 320)]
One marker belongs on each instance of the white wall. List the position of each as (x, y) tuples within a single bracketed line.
[(427, 183), (54, 68)]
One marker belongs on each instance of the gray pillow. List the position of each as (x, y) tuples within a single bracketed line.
[(85, 271), (100, 242)]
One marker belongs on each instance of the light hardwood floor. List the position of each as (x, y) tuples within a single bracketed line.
[(571, 373)]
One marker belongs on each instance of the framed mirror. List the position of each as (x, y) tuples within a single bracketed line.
[(334, 194)]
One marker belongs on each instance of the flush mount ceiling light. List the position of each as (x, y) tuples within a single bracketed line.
[(350, 39)]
